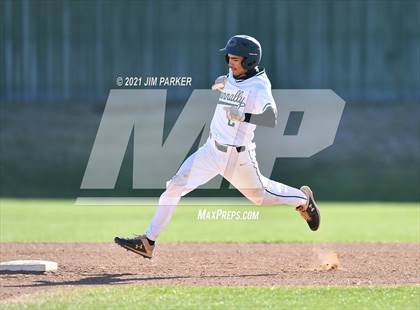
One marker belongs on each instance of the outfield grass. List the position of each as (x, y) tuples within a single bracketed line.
[(130, 297), (62, 220)]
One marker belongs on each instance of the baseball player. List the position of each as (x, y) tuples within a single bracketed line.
[(245, 102)]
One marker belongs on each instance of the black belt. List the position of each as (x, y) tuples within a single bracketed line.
[(224, 148)]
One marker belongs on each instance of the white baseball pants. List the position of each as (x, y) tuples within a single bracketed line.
[(239, 168)]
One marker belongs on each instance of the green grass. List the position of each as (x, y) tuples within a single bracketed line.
[(130, 297), (62, 220)]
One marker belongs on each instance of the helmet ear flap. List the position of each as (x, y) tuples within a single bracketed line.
[(245, 64)]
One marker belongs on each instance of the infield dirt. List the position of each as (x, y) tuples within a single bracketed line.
[(193, 264)]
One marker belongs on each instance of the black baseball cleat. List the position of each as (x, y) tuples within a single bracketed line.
[(310, 212), (139, 245)]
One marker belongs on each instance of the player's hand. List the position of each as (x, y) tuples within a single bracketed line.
[(233, 114), (219, 83)]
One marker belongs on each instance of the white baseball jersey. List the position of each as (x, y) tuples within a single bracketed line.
[(252, 95)]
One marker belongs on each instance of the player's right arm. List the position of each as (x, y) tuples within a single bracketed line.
[(219, 83)]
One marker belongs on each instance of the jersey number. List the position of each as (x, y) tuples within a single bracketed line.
[(230, 123)]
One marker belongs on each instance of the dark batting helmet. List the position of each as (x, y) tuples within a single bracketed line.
[(245, 46)]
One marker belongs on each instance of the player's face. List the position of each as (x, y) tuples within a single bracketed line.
[(235, 65)]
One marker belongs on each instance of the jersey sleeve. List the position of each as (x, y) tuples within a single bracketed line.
[(263, 100)]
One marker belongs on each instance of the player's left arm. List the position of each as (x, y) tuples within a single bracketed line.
[(266, 119), (264, 111)]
